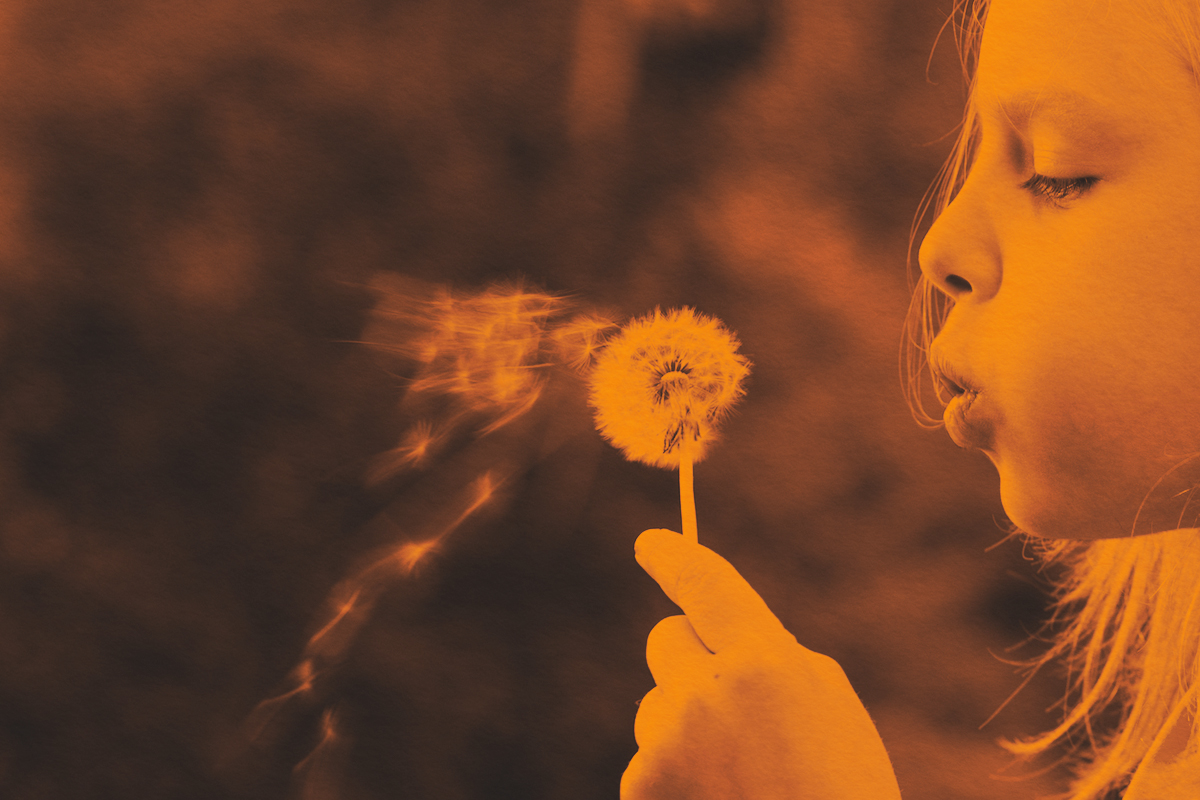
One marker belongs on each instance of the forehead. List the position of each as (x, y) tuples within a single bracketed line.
[(1118, 55)]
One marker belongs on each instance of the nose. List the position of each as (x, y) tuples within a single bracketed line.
[(960, 254)]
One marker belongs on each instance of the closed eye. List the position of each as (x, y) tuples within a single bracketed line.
[(1058, 190)]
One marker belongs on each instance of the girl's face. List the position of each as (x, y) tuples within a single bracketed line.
[(1072, 254)]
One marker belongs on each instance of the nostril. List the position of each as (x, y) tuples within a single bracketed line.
[(959, 285)]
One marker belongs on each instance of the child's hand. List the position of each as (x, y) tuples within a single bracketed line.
[(741, 710)]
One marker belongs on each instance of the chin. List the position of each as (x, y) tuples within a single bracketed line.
[(1055, 527), (1042, 509)]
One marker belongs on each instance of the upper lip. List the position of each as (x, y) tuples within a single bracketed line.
[(950, 376)]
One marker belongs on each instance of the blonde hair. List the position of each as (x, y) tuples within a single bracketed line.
[(1126, 611)]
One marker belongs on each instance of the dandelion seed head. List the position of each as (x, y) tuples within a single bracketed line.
[(666, 380)]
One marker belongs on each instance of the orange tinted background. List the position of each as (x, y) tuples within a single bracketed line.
[(193, 200)]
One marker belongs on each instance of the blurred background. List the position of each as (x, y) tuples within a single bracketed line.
[(195, 201)]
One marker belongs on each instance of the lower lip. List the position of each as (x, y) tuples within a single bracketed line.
[(966, 433)]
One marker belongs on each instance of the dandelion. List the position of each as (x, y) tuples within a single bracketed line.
[(661, 387)]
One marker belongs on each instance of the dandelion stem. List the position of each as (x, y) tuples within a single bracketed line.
[(687, 495)]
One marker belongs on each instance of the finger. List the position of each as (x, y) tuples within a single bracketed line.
[(634, 779), (646, 778), (651, 719), (675, 653), (722, 608)]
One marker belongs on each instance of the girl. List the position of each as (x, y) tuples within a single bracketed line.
[(1057, 313)]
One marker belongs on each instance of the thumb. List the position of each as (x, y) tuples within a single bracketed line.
[(721, 606)]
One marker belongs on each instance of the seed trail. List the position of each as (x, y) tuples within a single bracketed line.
[(329, 735), (473, 365)]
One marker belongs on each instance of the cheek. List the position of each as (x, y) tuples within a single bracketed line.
[(1087, 431), (1058, 476)]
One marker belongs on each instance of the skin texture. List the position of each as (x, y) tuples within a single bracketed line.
[(1076, 316)]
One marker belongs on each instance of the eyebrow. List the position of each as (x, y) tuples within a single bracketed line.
[(1066, 108), (1080, 117)]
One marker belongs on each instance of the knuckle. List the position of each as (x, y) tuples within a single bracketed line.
[(748, 674), (770, 668), (667, 627), (698, 577), (826, 667), (668, 630)]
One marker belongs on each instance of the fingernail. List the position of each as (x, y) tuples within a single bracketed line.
[(639, 544)]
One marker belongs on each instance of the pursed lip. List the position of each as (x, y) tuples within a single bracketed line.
[(967, 426), (965, 431)]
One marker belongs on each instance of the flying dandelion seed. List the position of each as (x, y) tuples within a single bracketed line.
[(417, 446), (482, 349), (329, 735), (411, 554), (581, 339), (478, 358), (661, 387)]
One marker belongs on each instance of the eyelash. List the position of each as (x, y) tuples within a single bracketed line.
[(1057, 189)]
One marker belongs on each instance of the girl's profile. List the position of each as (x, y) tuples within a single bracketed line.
[(1056, 313), (309, 309)]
